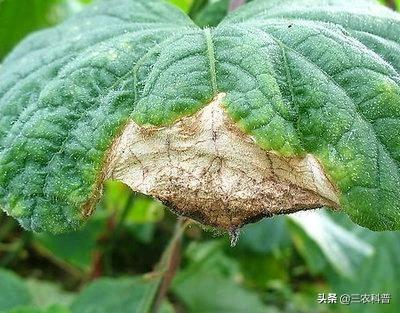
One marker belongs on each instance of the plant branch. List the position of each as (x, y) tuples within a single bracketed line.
[(58, 262), (170, 262), (234, 4), (391, 4), (109, 238), (6, 228)]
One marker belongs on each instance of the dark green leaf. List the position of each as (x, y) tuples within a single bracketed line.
[(75, 248), (206, 286), (123, 295), (265, 236), (33, 309)]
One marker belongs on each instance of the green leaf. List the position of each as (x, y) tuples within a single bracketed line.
[(33, 309), (13, 291), (145, 210), (208, 286), (46, 294), (378, 274), (116, 196), (342, 249), (121, 295), (74, 248), (182, 4), (316, 77), (207, 293), (265, 236)]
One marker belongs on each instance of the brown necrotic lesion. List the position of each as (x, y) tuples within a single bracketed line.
[(204, 167)]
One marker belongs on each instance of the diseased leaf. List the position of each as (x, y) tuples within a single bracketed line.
[(80, 95), (314, 83)]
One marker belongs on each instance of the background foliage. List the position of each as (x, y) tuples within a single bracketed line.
[(112, 264)]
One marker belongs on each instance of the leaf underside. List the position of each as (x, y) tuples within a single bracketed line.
[(307, 76)]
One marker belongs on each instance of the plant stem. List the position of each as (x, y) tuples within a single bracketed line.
[(58, 262), (6, 228), (234, 4), (19, 245), (391, 4), (169, 263), (103, 257)]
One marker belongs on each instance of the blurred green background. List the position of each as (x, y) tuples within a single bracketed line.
[(113, 264)]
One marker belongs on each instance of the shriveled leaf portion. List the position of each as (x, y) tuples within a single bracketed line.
[(311, 77), (205, 168)]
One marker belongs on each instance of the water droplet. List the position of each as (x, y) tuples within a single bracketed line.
[(234, 236)]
